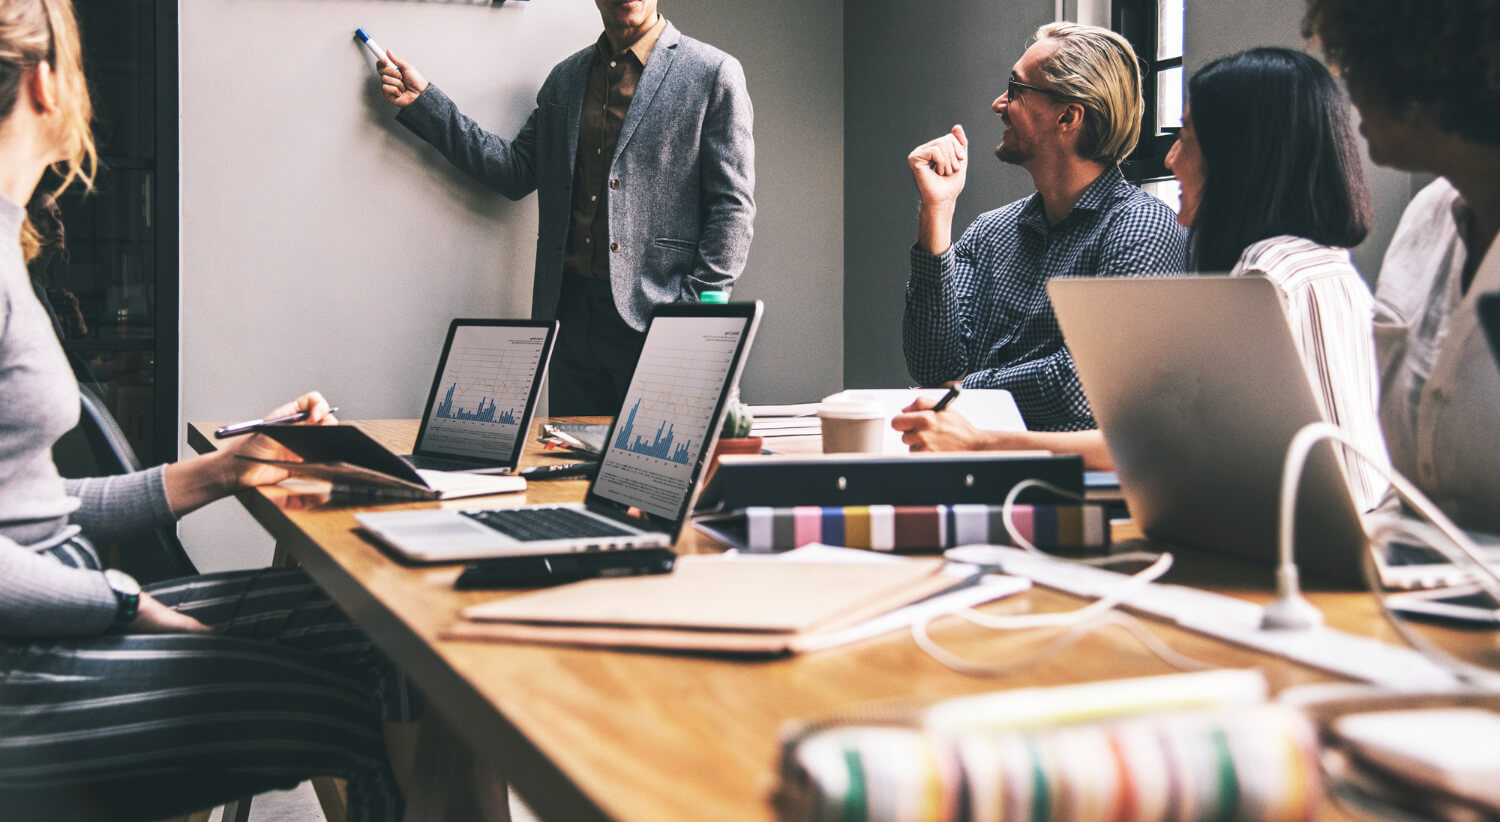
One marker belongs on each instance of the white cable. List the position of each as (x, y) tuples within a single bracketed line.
[(1451, 541), (1137, 581), (1463, 671), (1058, 645), (1008, 507), (1079, 623)]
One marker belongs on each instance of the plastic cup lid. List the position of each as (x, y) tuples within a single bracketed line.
[(850, 408)]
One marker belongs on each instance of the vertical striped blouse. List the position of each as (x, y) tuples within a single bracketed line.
[(1331, 314)]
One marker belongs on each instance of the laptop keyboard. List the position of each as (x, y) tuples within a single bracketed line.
[(533, 524), (439, 464), (1398, 554)]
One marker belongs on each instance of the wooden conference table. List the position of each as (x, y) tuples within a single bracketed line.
[(589, 734)]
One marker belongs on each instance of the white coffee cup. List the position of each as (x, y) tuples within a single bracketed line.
[(852, 425)]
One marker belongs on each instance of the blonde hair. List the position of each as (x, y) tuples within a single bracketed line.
[(33, 32), (1097, 68)]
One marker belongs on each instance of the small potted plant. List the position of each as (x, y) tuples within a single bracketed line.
[(734, 437)]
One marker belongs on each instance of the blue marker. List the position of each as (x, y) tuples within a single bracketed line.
[(374, 47)]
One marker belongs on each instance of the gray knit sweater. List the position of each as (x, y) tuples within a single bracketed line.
[(40, 597)]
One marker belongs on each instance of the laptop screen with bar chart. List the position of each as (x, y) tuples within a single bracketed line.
[(653, 461), (488, 380), (655, 452)]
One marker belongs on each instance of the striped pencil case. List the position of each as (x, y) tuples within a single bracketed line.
[(1256, 762), (912, 528)]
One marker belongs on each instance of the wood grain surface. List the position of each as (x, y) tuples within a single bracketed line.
[(588, 734)]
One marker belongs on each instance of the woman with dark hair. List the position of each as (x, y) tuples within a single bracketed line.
[(1425, 76), (118, 702), (1271, 186)]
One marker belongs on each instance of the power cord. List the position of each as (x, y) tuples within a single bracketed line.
[(1442, 535), (1078, 623)]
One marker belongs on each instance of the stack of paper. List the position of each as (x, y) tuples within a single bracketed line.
[(753, 606), (797, 420)]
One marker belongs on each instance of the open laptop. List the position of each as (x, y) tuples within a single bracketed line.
[(1198, 387), (652, 467), (487, 384)]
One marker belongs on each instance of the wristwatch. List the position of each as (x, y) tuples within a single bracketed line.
[(127, 596)]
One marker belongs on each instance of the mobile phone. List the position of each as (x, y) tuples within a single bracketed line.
[(1464, 603), (555, 569)]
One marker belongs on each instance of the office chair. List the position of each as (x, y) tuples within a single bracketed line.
[(98, 448)]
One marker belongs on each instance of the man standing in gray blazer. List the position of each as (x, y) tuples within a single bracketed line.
[(641, 154)]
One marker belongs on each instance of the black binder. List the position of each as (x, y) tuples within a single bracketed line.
[(870, 479)]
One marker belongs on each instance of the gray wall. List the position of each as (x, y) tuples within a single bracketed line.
[(325, 247), (1220, 27), (907, 82), (796, 79)]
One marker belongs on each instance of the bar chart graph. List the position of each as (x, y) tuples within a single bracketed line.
[(488, 373), (684, 370)]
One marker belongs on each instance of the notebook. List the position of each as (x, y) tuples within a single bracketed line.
[(758, 606), (653, 463), (1198, 387), (488, 380)]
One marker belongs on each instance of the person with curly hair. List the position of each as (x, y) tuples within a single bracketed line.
[(1425, 76)]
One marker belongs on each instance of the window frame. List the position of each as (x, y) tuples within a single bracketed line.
[(1138, 22)]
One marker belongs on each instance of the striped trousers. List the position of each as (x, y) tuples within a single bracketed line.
[(145, 726)]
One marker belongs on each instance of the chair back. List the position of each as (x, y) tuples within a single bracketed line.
[(98, 448)]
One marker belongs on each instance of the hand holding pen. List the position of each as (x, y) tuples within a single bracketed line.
[(926, 426), (943, 403), (251, 426), (310, 409)]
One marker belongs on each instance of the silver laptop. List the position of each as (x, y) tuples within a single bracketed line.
[(489, 378), (653, 462), (1198, 387)]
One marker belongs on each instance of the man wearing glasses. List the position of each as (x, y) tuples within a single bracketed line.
[(977, 310)]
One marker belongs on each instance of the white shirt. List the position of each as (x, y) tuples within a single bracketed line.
[(1330, 311), (1440, 385)]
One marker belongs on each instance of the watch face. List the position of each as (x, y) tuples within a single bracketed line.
[(127, 596), (122, 583)]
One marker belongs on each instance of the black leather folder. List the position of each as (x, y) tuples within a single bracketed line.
[(867, 479)]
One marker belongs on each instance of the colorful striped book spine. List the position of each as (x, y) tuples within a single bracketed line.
[(911, 528)]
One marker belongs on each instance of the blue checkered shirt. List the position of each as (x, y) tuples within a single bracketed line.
[(979, 312)]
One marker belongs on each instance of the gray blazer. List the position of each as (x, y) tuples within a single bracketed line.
[(681, 181)]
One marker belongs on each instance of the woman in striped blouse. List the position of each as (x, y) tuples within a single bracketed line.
[(118, 703), (1271, 186)]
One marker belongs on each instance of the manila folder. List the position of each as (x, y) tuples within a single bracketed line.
[(735, 605)]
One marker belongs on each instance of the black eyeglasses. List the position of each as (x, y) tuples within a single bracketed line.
[(1013, 84)]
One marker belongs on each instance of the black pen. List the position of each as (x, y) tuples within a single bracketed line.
[(249, 426), (947, 398)]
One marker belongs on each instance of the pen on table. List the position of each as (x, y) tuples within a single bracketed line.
[(947, 398), (249, 426), (565, 437)]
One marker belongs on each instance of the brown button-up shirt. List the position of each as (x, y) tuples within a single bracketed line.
[(612, 83)]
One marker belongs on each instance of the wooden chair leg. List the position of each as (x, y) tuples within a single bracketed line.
[(281, 558), (333, 798), (449, 784), (238, 810)]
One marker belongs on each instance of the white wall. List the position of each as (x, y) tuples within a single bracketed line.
[(324, 246)]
